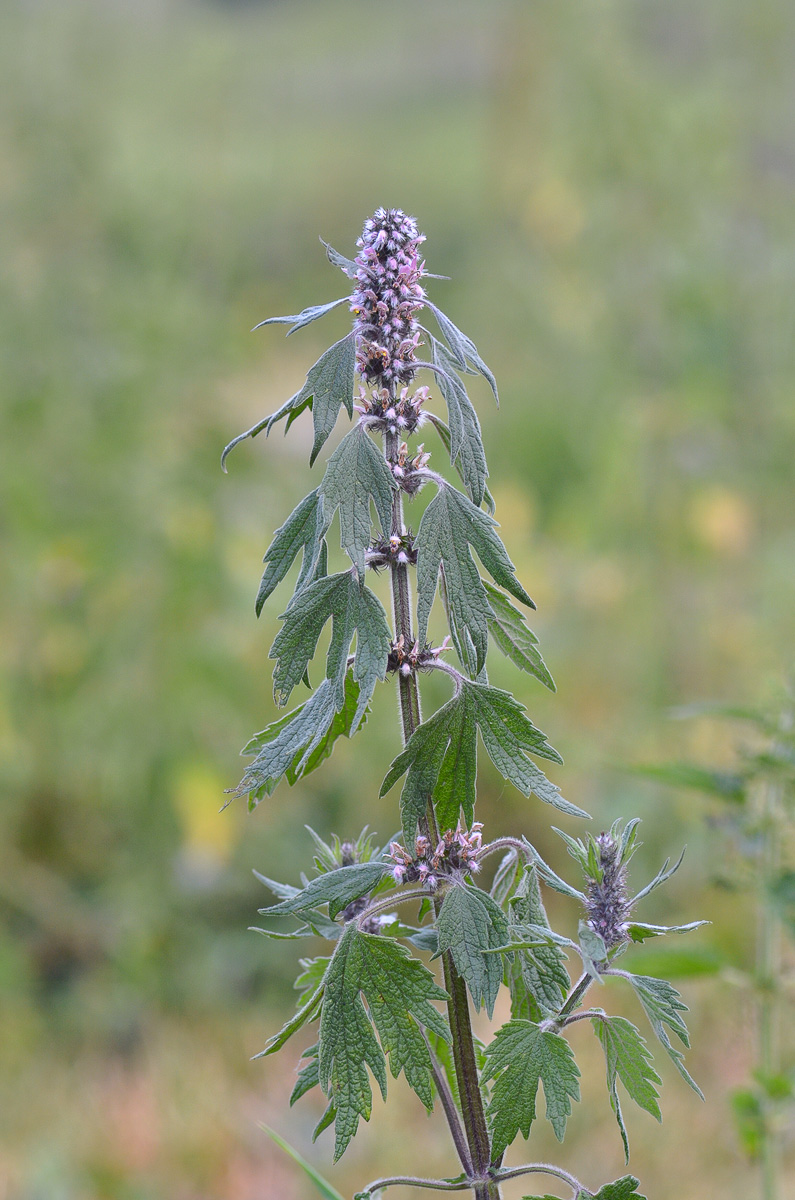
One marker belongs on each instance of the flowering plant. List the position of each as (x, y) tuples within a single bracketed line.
[(375, 1001)]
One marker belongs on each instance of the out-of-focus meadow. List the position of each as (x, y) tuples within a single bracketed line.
[(611, 188)]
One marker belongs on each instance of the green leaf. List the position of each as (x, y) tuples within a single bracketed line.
[(344, 723), (628, 1059), (463, 350), (308, 1012), (469, 923), (466, 441), (305, 317), (357, 472), (512, 636), (449, 525), (441, 757), (354, 610), (339, 260), (781, 890), (398, 990), (323, 1187), (662, 1005), (444, 433), (593, 950), (622, 1189), (521, 1056), (335, 888), (287, 744), (539, 975), (303, 530), (329, 384), (639, 931)]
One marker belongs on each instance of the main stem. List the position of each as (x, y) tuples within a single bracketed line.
[(768, 971), (465, 1063)]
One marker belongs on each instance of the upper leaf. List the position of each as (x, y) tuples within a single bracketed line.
[(449, 525), (398, 991), (662, 1005), (622, 1189), (353, 609), (335, 888), (521, 1055), (441, 756), (517, 642), (305, 317), (463, 350), (339, 260), (469, 923), (627, 1057), (466, 440), (329, 384), (357, 472), (303, 530)]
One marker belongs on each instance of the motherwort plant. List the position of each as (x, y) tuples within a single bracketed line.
[(374, 1000)]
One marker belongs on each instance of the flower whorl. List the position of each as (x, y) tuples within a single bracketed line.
[(607, 904), (387, 296)]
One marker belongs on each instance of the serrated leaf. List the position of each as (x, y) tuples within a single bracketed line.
[(339, 260), (522, 1055), (355, 474), (469, 923), (463, 349), (627, 1058), (444, 433), (466, 440), (321, 1185), (307, 1076), (303, 530), (450, 525), (398, 990), (662, 1005), (518, 643), (335, 888), (308, 1012), (441, 757), (622, 1189), (287, 743), (353, 609), (329, 384), (538, 975), (305, 317), (344, 723)]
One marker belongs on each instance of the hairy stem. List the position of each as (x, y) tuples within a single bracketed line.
[(458, 1005), (574, 997)]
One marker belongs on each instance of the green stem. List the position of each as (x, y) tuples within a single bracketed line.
[(464, 1060)]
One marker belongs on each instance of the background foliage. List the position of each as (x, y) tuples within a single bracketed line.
[(611, 188)]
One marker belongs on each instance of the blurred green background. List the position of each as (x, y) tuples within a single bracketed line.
[(610, 186)]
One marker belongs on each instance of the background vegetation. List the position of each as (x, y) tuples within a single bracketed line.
[(610, 186)]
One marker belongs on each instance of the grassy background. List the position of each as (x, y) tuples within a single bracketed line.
[(610, 187)]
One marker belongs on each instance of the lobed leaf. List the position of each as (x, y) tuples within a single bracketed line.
[(450, 525), (463, 350), (468, 924), (303, 531), (353, 609), (355, 474), (627, 1058), (335, 888), (441, 757), (662, 1004), (466, 440), (518, 643), (398, 991), (522, 1055), (538, 979), (305, 317)]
